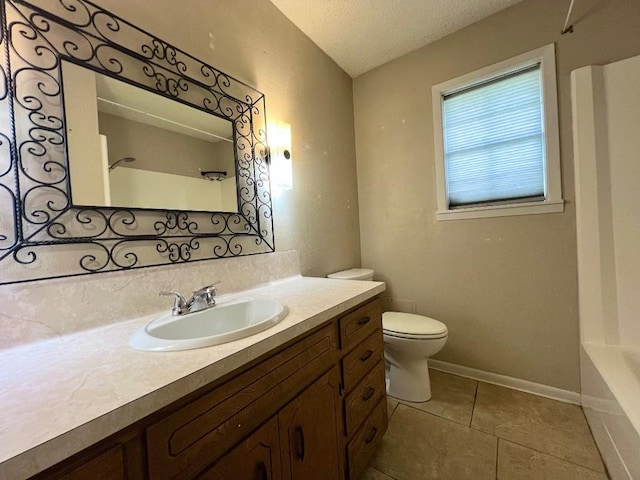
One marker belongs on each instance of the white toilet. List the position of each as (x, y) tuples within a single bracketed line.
[(353, 274), (409, 340)]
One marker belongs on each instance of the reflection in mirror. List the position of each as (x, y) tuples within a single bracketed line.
[(128, 147)]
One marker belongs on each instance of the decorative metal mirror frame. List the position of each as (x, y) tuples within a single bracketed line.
[(49, 235)]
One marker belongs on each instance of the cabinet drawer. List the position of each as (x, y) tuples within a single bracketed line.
[(359, 324), (191, 438), (366, 440), (357, 363), (364, 397)]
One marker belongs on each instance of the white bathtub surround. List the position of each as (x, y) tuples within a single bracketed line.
[(35, 311), (65, 393), (611, 406), (606, 115)]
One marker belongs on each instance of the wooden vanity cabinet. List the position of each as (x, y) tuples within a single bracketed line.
[(315, 409)]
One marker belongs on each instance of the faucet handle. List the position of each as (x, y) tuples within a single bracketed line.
[(208, 290), (204, 297), (179, 302)]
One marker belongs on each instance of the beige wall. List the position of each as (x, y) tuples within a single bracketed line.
[(506, 287), (252, 41)]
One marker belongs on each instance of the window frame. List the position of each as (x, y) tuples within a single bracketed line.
[(553, 202)]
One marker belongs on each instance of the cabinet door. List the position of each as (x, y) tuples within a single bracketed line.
[(309, 432), (108, 466), (256, 458)]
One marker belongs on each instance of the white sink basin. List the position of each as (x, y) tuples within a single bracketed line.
[(227, 321)]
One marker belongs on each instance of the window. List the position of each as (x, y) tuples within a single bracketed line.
[(496, 140)]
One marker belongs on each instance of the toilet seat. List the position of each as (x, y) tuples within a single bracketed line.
[(409, 336), (353, 274), (411, 326)]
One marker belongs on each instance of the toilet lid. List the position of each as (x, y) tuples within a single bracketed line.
[(412, 324), (352, 274)]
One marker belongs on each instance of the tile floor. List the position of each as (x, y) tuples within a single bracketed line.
[(474, 430)]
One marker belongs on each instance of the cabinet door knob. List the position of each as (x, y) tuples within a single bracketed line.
[(364, 320), (300, 434), (263, 473), (365, 356), (369, 394)]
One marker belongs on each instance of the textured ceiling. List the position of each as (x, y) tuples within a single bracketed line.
[(362, 34)]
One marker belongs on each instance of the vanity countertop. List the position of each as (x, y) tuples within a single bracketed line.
[(62, 395)]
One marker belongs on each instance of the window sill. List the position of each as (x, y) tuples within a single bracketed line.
[(509, 210)]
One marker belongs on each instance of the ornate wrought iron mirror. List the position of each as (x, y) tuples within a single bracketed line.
[(43, 234)]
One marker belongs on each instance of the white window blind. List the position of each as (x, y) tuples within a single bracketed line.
[(493, 136)]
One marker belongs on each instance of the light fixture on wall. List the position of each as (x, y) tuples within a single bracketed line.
[(213, 175), (281, 167)]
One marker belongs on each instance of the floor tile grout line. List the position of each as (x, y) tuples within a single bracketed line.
[(464, 424), (534, 449), (475, 399), (584, 414), (497, 454), (549, 454), (460, 424), (529, 447), (499, 439), (422, 412), (384, 473), (393, 410)]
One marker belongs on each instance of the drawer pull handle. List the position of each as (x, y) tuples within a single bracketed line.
[(300, 434), (369, 394), (262, 471), (366, 355), (371, 436), (364, 320)]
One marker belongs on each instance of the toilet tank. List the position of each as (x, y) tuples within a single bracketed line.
[(353, 274)]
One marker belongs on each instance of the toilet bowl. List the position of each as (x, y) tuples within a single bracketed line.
[(409, 340)]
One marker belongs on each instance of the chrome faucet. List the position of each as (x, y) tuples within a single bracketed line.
[(200, 300)]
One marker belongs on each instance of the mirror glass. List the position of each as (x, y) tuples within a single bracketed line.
[(128, 147)]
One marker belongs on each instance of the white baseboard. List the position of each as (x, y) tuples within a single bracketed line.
[(509, 382)]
